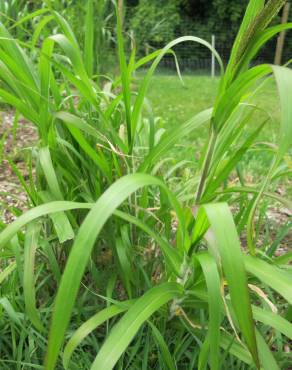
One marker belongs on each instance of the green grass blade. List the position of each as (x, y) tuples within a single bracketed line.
[(100, 162), (224, 229), (7, 271), (283, 78), (87, 327), (211, 275), (12, 314), (253, 9), (232, 97), (35, 213), (222, 175), (30, 247), (65, 232), (39, 28), (172, 257), (124, 331), (250, 190), (60, 220), (71, 119), (146, 81), (30, 16), (79, 256), (267, 359), (228, 342), (170, 138), (11, 47), (273, 320), (22, 107), (89, 38), (29, 190), (260, 40), (126, 79), (74, 54), (49, 172), (125, 265), (277, 278), (162, 346)]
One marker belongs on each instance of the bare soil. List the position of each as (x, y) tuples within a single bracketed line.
[(13, 199)]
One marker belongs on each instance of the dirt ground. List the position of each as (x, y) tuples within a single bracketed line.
[(12, 196)]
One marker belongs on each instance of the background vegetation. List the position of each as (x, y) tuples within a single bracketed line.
[(156, 22)]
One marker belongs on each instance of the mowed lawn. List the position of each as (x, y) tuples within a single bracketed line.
[(175, 103)]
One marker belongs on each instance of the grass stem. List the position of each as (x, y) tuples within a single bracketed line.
[(207, 162)]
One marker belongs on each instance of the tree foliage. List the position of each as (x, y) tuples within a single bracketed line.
[(154, 22)]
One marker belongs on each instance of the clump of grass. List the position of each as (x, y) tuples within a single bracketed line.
[(105, 237)]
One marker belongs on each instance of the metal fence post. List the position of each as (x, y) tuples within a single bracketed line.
[(213, 58)]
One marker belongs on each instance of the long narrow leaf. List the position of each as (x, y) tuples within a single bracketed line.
[(124, 331), (78, 258)]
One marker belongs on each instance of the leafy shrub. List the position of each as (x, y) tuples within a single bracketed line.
[(104, 236)]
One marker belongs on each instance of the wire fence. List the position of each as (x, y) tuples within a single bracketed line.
[(198, 59)]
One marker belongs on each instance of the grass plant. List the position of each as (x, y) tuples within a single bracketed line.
[(118, 263)]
